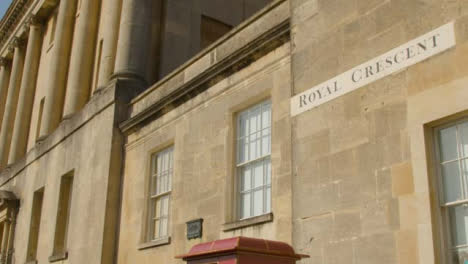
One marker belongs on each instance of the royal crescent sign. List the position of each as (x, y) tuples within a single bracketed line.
[(415, 51)]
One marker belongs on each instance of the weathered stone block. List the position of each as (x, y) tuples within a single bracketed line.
[(347, 225), (407, 245), (379, 248), (402, 179)]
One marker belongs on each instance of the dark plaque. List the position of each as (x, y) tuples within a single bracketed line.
[(195, 229)]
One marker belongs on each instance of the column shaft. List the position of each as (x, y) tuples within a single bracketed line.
[(11, 240), (11, 105), (4, 249), (82, 57), (110, 14), (4, 80), (58, 67), (134, 38), (26, 98)]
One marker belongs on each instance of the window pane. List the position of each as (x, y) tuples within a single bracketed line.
[(266, 142), (156, 164), (266, 116), (151, 231), (258, 174), (242, 150), (156, 233), (159, 164), (163, 223), (161, 181), (268, 200), (158, 185), (459, 223), (254, 142), (464, 173), (169, 180), (268, 171), (255, 119), (254, 146), (463, 135), (245, 205), (452, 182), (157, 212), (448, 144), (164, 162), (246, 178), (165, 206), (153, 185), (243, 125), (171, 158), (166, 182), (258, 202), (162, 184)]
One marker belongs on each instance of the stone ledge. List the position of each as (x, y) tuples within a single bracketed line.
[(58, 257), (256, 37), (97, 104), (210, 49), (257, 220), (155, 243)]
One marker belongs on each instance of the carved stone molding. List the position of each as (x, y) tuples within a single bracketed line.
[(15, 43), (12, 18), (4, 61), (32, 21)]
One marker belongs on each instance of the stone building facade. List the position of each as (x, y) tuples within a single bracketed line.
[(132, 130)]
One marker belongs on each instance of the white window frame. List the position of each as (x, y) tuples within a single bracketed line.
[(154, 196), (265, 159), (443, 206)]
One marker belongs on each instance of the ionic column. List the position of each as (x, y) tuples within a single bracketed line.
[(134, 38), (12, 102), (110, 13), (82, 57), (28, 89), (58, 67), (4, 249), (4, 79)]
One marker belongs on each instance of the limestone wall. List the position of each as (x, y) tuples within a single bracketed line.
[(202, 133), (361, 191), (88, 145)]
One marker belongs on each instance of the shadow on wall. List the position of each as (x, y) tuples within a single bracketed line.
[(188, 26)]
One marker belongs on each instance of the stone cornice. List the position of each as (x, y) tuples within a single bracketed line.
[(12, 18)]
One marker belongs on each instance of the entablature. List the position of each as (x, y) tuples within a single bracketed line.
[(17, 17)]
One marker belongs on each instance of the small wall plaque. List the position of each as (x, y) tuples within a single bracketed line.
[(195, 229)]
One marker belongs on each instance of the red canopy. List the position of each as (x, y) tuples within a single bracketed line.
[(237, 245)]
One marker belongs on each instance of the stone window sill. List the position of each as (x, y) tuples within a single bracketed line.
[(155, 243), (58, 257), (257, 220)]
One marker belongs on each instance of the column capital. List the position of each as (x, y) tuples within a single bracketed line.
[(32, 21), (4, 61), (16, 43)]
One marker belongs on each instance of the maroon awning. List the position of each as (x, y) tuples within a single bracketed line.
[(237, 245)]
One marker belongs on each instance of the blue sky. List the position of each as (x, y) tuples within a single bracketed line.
[(4, 6)]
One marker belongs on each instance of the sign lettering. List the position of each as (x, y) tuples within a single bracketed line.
[(408, 54)]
